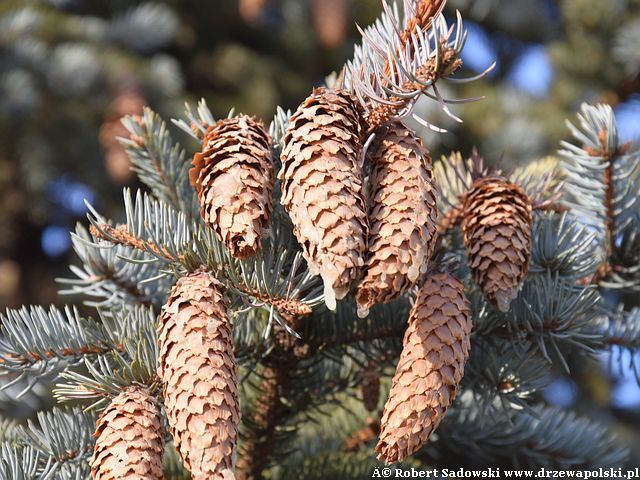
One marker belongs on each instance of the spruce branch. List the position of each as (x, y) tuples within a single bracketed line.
[(504, 375), (159, 163), (120, 235), (37, 341), (344, 329), (284, 305), (60, 435), (423, 14), (602, 181), (444, 65), (197, 122), (623, 269), (277, 279), (402, 56), (152, 226), (609, 158), (602, 176), (20, 462), (544, 437), (620, 333), (134, 362), (268, 412), (562, 245), (107, 280), (555, 313)]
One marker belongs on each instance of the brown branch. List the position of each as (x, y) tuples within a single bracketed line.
[(33, 357), (254, 456), (610, 158), (610, 224), (426, 11), (361, 335), (130, 289), (269, 412), (286, 307), (122, 236)]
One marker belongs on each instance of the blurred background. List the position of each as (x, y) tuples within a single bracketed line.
[(69, 69)]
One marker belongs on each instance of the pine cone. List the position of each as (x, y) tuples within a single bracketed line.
[(431, 366), (117, 163), (403, 217), (370, 386), (233, 175), (322, 187), (130, 440), (199, 372), (496, 222)]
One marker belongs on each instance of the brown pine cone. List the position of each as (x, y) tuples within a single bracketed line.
[(370, 386), (129, 438), (496, 222), (117, 163), (233, 175), (402, 214), (199, 372), (431, 366), (322, 187)]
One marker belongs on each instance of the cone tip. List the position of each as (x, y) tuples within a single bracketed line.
[(503, 299)]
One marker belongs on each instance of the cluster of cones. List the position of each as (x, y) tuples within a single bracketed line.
[(378, 242)]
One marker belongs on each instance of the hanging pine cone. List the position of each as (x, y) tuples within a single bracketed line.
[(233, 175), (370, 386), (129, 438), (496, 222), (322, 187), (199, 372), (431, 366), (402, 215)]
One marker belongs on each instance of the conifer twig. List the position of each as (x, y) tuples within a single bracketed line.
[(268, 411), (609, 158), (34, 357), (122, 236), (435, 68), (425, 12)]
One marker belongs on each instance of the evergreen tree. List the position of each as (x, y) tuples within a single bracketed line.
[(350, 302)]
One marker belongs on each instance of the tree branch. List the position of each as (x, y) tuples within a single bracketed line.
[(121, 236), (268, 412), (428, 73)]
